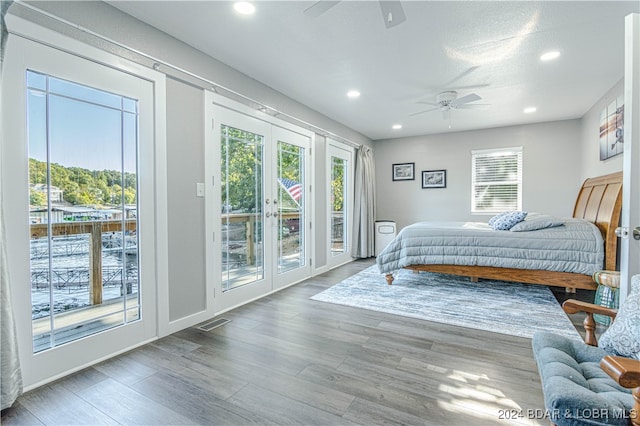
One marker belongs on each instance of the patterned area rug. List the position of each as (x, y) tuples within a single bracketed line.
[(498, 306)]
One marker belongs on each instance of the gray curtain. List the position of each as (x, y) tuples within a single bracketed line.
[(364, 204), (10, 374)]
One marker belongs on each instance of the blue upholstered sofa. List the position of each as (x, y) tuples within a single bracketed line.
[(594, 385)]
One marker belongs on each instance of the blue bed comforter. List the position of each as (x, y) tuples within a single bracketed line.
[(577, 246)]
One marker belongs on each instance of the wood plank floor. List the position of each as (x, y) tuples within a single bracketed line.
[(286, 359)]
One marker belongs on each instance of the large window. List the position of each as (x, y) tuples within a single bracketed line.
[(496, 180), (83, 173), (339, 202), (339, 219), (83, 188)]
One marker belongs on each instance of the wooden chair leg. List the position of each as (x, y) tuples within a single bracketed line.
[(635, 411), (590, 329)]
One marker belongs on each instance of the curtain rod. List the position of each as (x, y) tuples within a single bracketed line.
[(210, 84)]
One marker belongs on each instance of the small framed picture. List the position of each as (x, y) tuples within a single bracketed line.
[(404, 171), (434, 179)]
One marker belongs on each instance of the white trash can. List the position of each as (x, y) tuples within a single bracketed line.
[(385, 233)]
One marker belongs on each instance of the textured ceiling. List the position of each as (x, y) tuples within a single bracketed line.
[(488, 48)]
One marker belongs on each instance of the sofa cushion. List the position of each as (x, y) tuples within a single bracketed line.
[(576, 390), (622, 338)]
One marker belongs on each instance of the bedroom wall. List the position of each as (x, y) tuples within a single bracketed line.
[(551, 174), (590, 138), (186, 219), (185, 127)]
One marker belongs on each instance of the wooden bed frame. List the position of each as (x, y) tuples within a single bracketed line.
[(599, 201)]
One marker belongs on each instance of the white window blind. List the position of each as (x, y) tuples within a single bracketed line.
[(496, 180)]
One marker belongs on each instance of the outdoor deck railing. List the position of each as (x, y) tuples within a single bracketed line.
[(95, 230), (75, 278)]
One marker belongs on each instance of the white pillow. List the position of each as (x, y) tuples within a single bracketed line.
[(537, 221)]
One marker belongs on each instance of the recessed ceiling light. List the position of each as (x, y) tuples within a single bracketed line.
[(550, 55), (529, 110), (353, 94), (244, 8), (396, 126)]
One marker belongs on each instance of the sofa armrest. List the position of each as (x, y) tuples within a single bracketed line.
[(626, 372), (573, 306)]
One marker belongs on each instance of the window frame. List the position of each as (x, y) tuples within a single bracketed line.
[(496, 152), (28, 47)]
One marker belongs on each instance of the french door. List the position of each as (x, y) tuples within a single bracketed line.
[(257, 206), (340, 169), (83, 208)]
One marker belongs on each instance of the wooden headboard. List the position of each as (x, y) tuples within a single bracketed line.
[(599, 202)]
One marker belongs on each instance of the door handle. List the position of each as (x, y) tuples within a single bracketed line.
[(636, 233), (268, 214), (621, 232)]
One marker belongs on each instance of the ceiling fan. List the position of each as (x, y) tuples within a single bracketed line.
[(392, 11), (447, 101)]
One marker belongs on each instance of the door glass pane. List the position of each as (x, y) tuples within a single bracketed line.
[(291, 232), (82, 210), (339, 175), (242, 201)]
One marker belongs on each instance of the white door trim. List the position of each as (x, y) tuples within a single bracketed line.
[(212, 103), (37, 38), (630, 247)]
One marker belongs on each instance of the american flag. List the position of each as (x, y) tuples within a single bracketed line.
[(293, 188)]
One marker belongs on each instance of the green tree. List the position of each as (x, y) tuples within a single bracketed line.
[(37, 198), (130, 196), (83, 186), (241, 169), (337, 184), (84, 197), (37, 171), (290, 166)]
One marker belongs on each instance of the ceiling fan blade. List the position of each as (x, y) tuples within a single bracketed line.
[(319, 7), (392, 13), (461, 76), (422, 112), (469, 86), (465, 99), (428, 103), (473, 106)]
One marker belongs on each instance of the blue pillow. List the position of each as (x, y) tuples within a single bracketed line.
[(506, 220)]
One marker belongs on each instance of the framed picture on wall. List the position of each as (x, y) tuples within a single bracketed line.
[(434, 179), (612, 129), (404, 171)]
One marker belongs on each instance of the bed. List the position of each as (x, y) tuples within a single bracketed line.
[(475, 250)]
